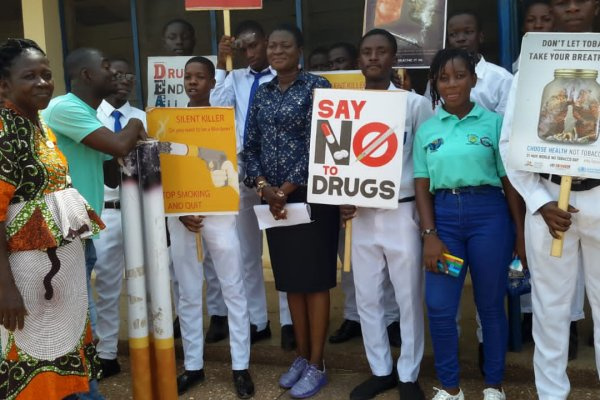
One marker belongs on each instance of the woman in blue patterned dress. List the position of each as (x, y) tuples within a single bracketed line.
[(303, 256)]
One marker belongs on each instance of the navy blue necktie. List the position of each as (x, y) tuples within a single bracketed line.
[(253, 89), (116, 114)]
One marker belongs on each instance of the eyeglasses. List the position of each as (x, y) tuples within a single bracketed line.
[(128, 77)]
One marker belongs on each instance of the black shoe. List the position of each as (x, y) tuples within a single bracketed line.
[(288, 340), (109, 367), (480, 359), (243, 384), (393, 331), (526, 324), (373, 386), (410, 391), (348, 330), (188, 380), (256, 336), (218, 329), (573, 341), (176, 329)]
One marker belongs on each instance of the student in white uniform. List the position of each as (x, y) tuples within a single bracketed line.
[(388, 241), (537, 17), (493, 82), (237, 89), (344, 56), (220, 237), (553, 282), (114, 113), (179, 39)]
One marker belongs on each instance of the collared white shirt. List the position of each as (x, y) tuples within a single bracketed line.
[(418, 110), (528, 184), (104, 115), (491, 90), (233, 89)]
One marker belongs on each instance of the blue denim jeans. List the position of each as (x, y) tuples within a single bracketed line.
[(90, 262), (93, 394), (475, 226)]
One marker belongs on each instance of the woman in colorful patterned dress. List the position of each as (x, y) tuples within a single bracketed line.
[(46, 342)]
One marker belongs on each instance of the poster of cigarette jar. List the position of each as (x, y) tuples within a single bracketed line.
[(557, 107), (356, 147), (419, 27)]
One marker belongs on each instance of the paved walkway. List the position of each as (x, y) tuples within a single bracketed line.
[(348, 366)]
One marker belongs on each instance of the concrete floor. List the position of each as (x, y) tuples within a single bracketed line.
[(348, 366)]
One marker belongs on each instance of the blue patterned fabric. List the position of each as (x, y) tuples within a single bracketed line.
[(278, 132)]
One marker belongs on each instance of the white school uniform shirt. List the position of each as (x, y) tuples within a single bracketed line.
[(491, 90), (418, 110), (528, 184), (127, 112), (233, 89)]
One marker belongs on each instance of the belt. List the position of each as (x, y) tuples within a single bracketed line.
[(406, 199), (113, 204), (577, 185), (470, 189)]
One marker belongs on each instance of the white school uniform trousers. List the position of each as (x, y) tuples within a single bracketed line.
[(233, 89), (391, 238), (219, 236), (110, 265), (554, 280), (391, 312)]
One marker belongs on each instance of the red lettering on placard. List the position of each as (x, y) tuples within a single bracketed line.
[(160, 71), (325, 108)]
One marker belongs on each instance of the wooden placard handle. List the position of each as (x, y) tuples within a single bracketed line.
[(347, 245), (563, 204), (199, 251), (227, 31)]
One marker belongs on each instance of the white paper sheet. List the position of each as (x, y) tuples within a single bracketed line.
[(297, 213)]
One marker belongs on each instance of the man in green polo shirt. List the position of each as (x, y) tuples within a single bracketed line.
[(82, 138)]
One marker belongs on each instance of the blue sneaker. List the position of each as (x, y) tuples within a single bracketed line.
[(289, 379), (310, 383)]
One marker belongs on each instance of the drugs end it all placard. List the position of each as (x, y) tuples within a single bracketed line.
[(556, 120)]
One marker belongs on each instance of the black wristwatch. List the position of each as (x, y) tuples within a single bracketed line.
[(428, 231)]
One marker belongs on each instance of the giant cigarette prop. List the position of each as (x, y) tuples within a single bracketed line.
[(563, 204), (133, 240), (157, 260)]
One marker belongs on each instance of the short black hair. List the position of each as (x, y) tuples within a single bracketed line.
[(249, 26), (348, 48), (528, 3), (440, 60), (470, 12), (77, 60), (183, 22), (319, 50), (293, 29), (13, 48), (204, 61), (381, 32)]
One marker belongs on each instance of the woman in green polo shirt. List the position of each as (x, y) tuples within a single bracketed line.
[(459, 183)]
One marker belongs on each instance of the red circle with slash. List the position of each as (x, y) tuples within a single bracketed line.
[(358, 144)]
